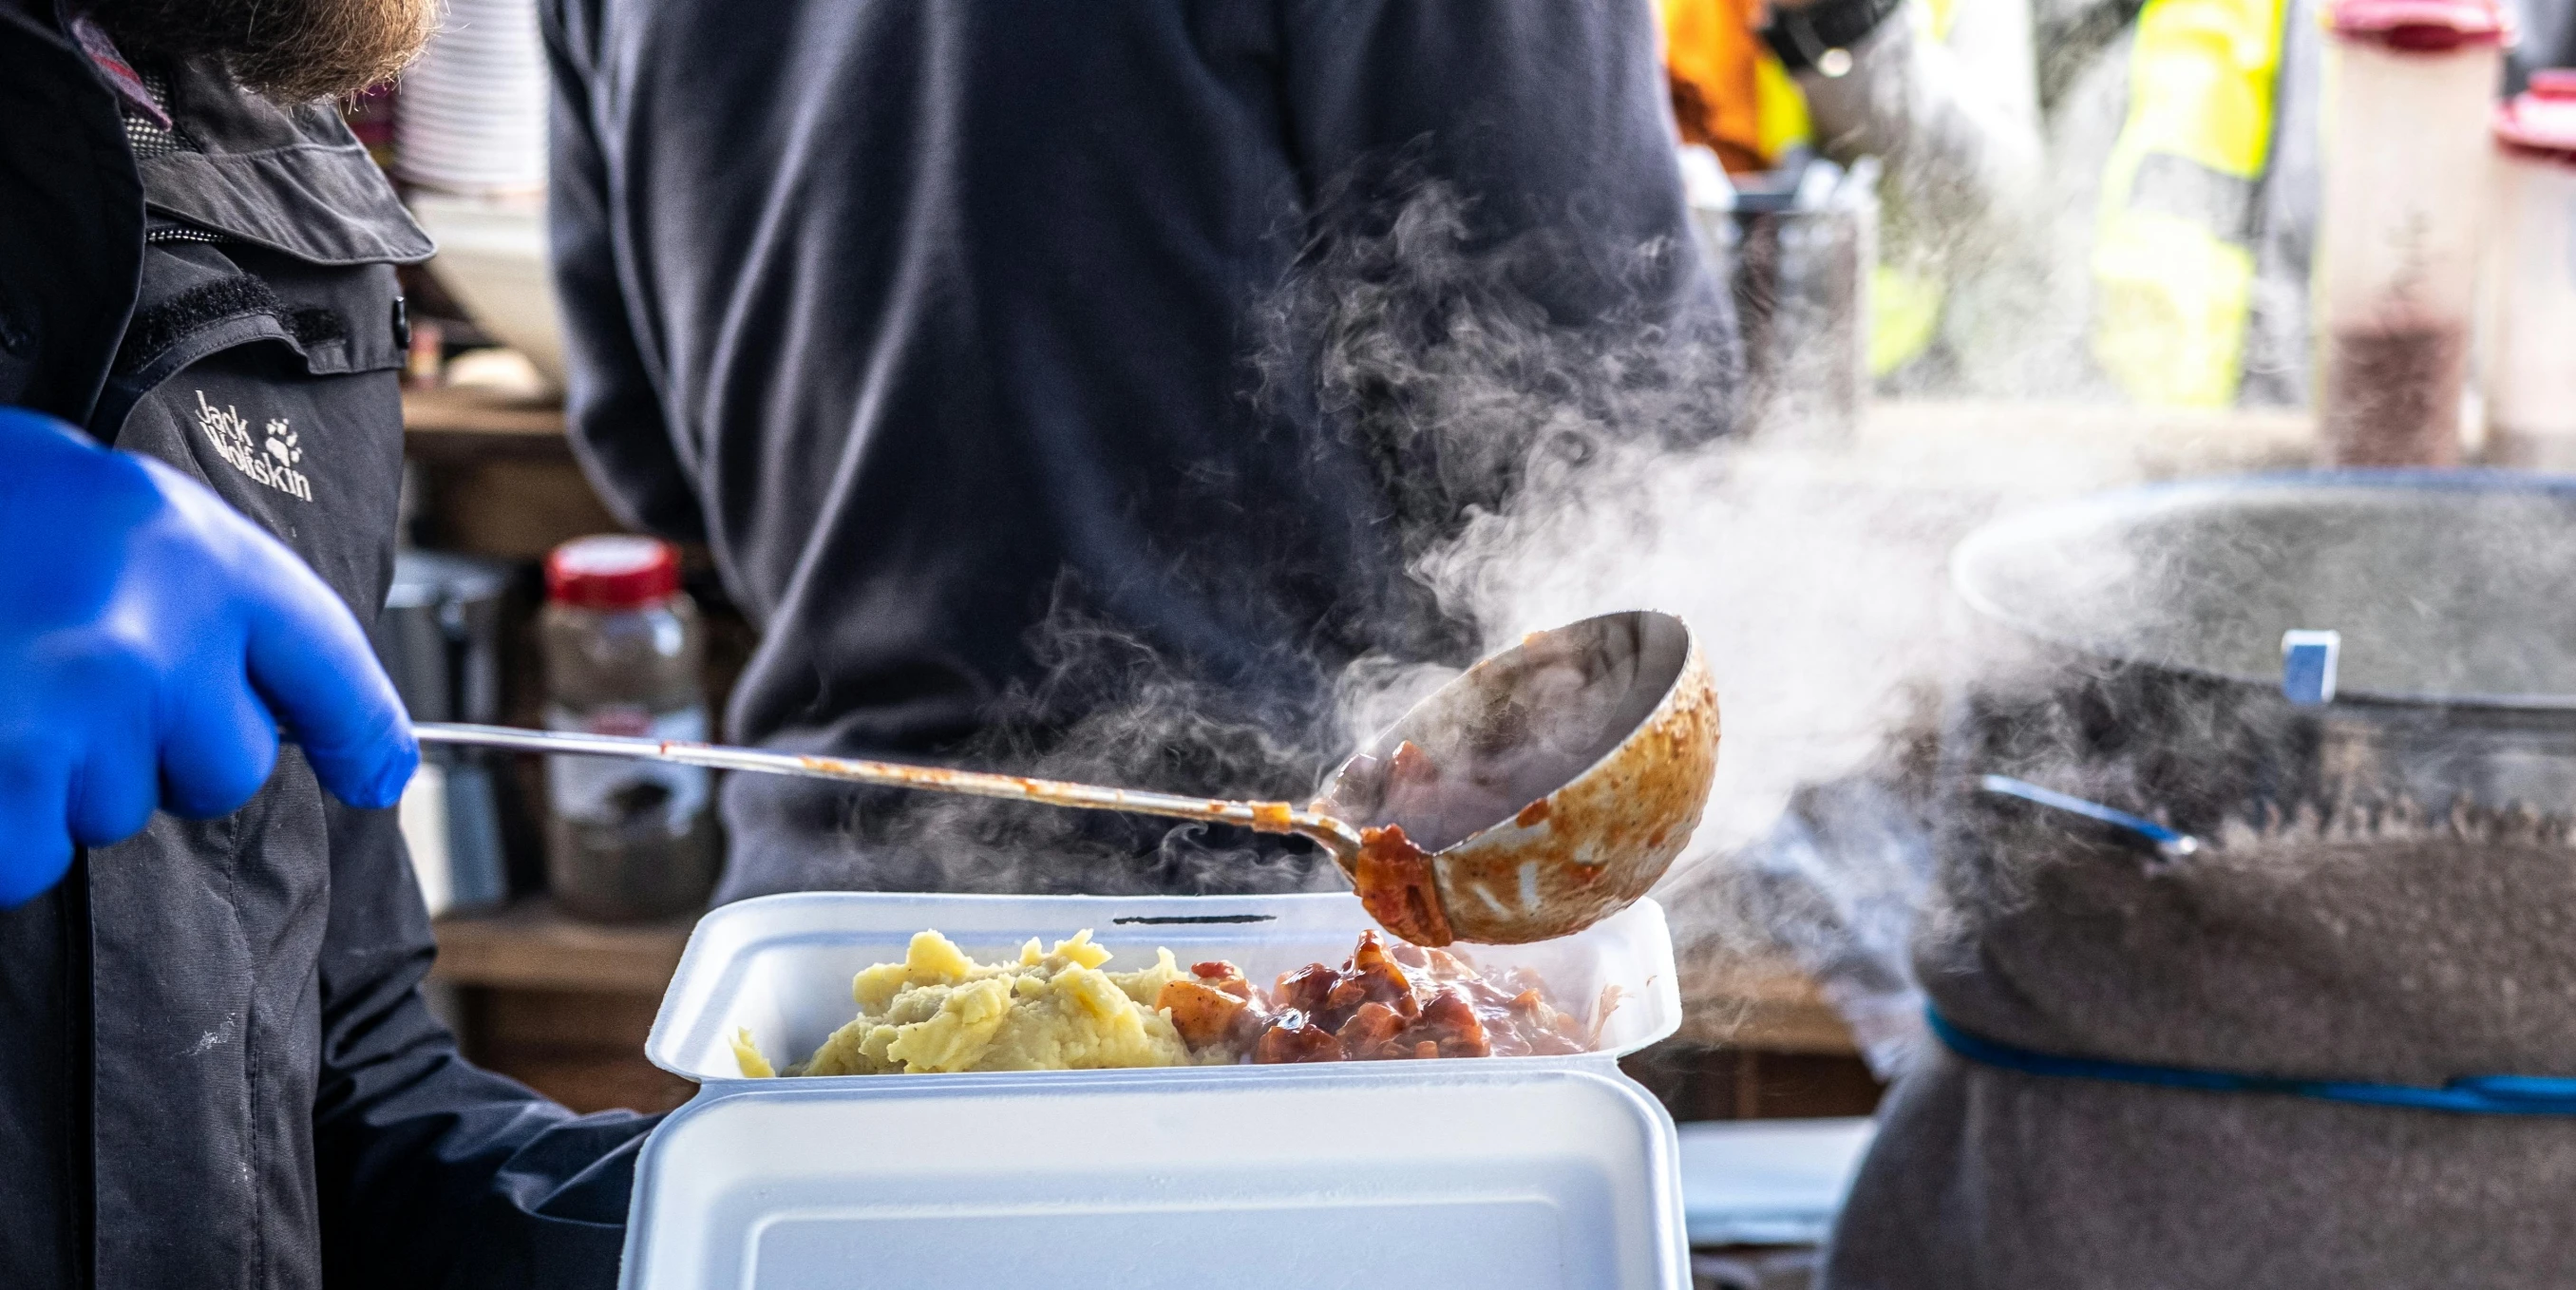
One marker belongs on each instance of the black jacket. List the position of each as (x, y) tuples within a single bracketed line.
[(217, 1068), (945, 326)]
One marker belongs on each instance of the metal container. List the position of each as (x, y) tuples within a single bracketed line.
[(2378, 871), (439, 638), (1798, 255), (2133, 644), (1501, 1173)]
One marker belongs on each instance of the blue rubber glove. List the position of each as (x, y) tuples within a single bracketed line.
[(148, 632)]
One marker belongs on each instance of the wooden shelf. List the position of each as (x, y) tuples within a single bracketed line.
[(1755, 1003), (2008, 452), (453, 423), (530, 945), (496, 475)]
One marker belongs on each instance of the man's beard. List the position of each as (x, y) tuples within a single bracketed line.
[(291, 51)]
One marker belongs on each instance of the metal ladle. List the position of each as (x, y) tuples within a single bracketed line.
[(1543, 790)]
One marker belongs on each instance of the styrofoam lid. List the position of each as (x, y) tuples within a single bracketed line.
[(1499, 1176), (2421, 25), (2541, 122)]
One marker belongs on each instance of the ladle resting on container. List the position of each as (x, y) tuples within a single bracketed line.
[(1541, 791)]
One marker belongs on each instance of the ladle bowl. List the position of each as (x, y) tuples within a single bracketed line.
[(1541, 791), (1551, 785)]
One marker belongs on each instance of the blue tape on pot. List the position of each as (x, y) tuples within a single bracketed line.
[(2308, 662)]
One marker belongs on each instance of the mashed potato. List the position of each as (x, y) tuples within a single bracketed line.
[(939, 1010)]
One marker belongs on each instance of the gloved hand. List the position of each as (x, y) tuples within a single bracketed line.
[(147, 633)]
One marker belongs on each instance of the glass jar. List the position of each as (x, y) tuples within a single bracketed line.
[(2531, 350), (624, 654), (2409, 85)]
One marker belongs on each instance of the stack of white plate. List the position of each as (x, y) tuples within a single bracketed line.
[(472, 117)]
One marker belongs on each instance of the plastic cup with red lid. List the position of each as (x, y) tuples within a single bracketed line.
[(2409, 88), (2421, 26), (2530, 378)]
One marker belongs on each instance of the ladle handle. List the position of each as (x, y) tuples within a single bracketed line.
[(1265, 817)]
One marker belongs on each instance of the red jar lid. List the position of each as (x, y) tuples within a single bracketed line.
[(2541, 121), (2421, 26), (613, 571)]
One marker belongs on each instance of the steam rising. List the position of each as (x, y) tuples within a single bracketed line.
[(1817, 601), (1143, 722), (1551, 452), (1556, 471)]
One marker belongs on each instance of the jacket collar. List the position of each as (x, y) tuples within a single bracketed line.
[(290, 179)]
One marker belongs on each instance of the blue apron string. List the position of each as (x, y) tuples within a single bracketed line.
[(2470, 1095)]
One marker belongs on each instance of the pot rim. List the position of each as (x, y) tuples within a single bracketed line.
[(2377, 479)]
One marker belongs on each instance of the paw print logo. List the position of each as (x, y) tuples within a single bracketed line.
[(281, 443)]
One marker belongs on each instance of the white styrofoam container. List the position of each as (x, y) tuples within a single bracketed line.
[(1498, 1173), (781, 965)]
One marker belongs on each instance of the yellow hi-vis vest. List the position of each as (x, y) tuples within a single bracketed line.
[(1905, 301), (2173, 264)]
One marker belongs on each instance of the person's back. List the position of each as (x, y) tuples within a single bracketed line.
[(944, 326)]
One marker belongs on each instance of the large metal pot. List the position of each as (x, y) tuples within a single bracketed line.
[(2131, 645), (2384, 922)]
